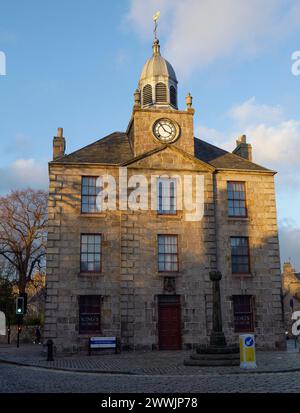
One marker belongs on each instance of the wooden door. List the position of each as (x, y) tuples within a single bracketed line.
[(169, 322)]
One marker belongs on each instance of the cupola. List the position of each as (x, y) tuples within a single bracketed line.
[(158, 82)]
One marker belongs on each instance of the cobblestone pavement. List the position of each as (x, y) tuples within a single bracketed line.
[(144, 363), (17, 379)]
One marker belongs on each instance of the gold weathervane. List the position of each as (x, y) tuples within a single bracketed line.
[(155, 18)]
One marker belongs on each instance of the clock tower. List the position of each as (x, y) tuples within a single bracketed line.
[(156, 120)]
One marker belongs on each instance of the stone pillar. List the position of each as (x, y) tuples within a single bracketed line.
[(217, 337)]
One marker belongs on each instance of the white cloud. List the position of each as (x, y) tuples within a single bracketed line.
[(24, 173), (274, 138), (199, 33), (251, 113), (278, 145)]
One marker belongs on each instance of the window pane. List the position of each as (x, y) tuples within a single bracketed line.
[(166, 196), (90, 188), (243, 313), (167, 253), (240, 255), (89, 314), (90, 259), (236, 199)]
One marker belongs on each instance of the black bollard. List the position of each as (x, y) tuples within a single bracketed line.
[(49, 350), (118, 345), (18, 336)]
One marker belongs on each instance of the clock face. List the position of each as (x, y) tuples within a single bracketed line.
[(165, 130)]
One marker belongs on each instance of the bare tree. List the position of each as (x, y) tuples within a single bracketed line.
[(23, 216)]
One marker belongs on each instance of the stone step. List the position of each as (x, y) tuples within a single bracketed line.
[(217, 350), (230, 356), (212, 363)]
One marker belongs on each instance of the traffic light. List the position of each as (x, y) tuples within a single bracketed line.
[(20, 305)]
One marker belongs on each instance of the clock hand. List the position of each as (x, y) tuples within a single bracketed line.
[(164, 129)]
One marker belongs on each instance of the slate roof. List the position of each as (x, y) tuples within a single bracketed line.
[(115, 149), (221, 159)]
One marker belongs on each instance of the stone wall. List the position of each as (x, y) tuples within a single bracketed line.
[(264, 283), (130, 283), (143, 121)]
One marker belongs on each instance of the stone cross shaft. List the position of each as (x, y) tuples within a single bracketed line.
[(217, 337)]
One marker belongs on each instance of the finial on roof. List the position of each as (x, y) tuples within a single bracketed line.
[(155, 18), (189, 100), (156, 46)]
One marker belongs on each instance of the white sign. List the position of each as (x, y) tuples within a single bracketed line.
[(2, 324), (103, 342)]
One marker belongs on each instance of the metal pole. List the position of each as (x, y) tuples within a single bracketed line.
[(19, 318), (18, 336)]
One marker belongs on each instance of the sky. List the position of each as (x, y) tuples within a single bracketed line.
[(76, 64)]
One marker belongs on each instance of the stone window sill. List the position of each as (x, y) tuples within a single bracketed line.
[(90, 274), (243, 275), (243, 219), (169, 273), (169, 216), (85, 335), (92, 215)]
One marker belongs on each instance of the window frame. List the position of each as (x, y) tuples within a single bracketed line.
[(89, 332), (240, 255), (251, 313), (177, 254), (82, 271), (232, 199), (169, 212), (84, 195)]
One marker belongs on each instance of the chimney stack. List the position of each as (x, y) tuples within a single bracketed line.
[(59, 145), (243, 148)]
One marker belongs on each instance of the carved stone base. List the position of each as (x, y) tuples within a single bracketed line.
[(217, 350), (214, 356), (217, 339)]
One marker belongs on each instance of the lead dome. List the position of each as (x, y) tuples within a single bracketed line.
[(158, 83)]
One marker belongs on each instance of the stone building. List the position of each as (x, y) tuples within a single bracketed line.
[(120, 268), (291, 293)]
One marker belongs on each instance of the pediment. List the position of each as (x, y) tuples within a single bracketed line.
[(168, 157)]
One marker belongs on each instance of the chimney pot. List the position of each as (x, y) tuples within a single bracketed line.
[(60, 132), (59, 144), (243, 148)]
